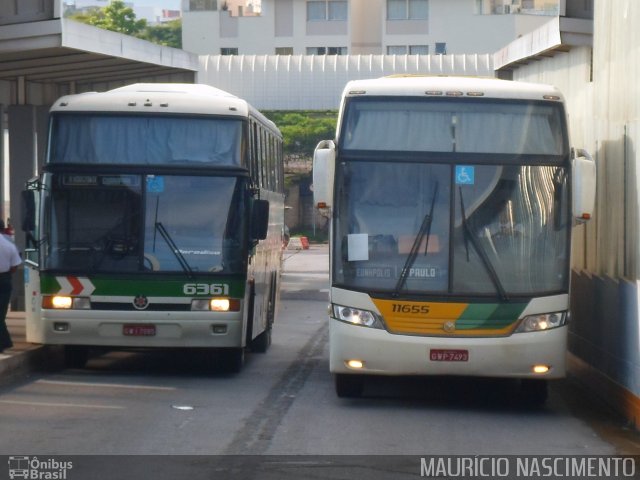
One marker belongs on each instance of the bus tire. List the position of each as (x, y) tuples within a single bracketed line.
[(534, 391), (232, 359), (75, 356), (273, 295), (261, 343), (349, 386), (250, 312)]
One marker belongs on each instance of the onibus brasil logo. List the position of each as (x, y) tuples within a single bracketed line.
[(38, 469)]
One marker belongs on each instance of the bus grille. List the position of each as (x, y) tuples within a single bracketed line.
[(152, 307)]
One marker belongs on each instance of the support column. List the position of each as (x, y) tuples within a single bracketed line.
[(3, 161), (22, 167)]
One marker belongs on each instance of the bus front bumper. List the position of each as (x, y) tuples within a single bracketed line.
[(382, 353), (140, 329)]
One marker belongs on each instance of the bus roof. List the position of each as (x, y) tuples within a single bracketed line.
[(165, 98), (452, 87)]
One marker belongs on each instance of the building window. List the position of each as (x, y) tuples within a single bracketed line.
[(323, 10), (441, 48), (337, 10), (419, 49), (326, 50), (284, 50), (316, 11), (228, 51), (203, 5), (407, 9), (412, 50), (336, 50), (396, 50)]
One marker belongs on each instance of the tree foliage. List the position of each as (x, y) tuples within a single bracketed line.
[(302, 130), (168, 34), (117, 17)]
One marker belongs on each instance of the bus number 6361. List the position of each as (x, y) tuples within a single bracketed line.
[(206, 289)]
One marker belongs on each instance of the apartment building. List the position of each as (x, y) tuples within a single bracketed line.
[(353, 27)]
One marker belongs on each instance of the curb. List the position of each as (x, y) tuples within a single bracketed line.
[(20, 364)]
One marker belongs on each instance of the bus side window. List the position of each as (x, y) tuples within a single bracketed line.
[(256, 154), (272, 163), (263, 159)]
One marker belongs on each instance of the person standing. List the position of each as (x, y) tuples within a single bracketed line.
[(9, 261)]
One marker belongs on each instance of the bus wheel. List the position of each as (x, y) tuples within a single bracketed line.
[(261, 343), (75, 356), (534, 391), (232, 359), (349, 386)]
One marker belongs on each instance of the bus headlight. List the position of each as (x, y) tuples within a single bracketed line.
[(356, 316), (215, 304), (542, 322), (65, 302)]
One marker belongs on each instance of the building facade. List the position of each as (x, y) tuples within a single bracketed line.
[(358, 27)]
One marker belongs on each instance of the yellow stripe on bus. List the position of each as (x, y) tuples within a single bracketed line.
[(431, 318)]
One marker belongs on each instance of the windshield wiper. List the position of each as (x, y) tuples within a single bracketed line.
[(425, 231), (174, 248), (470, 237)]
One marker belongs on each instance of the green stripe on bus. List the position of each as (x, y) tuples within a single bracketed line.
[(489, 315), (156, 287)]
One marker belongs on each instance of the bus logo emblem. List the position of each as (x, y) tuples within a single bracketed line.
[(449, 327), (140, 302)]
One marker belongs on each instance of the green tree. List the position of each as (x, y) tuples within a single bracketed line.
[(168, 34), (303, 130), (116, 17), (119, 18)]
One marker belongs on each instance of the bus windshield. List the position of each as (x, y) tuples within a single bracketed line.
[(458, 125), (463, 229), (142, 140), (135, 223)]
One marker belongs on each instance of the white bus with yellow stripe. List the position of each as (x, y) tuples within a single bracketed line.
[(453, 203)]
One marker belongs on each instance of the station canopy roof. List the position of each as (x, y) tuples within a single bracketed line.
[(62, 50)]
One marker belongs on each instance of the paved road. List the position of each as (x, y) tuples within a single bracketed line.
[(283, 403)]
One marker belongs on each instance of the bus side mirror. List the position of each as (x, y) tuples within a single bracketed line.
[(324, 165), (259, 219), (584, 186), (28, 209)]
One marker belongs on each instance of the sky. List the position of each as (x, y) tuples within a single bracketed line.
[(169, 4)]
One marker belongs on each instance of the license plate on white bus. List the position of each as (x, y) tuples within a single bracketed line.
[(441, 355), (139, 330)]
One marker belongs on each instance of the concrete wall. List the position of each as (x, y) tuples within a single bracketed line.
[(304, 82), (603, 99), (27, 11)]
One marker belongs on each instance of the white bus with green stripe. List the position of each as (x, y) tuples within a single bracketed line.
[(157, 222), (453, 202)]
